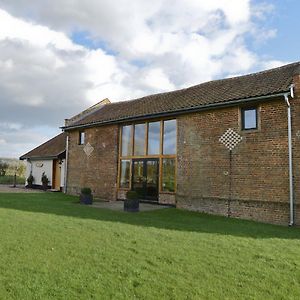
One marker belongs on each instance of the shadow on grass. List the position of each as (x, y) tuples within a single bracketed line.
[(171, 219)]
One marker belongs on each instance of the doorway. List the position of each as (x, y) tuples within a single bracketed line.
[(145, 178), (56, 175)]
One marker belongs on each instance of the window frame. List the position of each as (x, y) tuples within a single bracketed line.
[(131, 138), (120, 174), (243, 110), (80, 142), (160, 156), (162, 175), (145, 146), (163, 138), (160, 141)]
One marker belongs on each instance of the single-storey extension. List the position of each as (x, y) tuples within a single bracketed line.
[(229, 147), (48, 158)]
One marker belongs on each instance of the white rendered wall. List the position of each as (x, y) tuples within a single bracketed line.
[(28, 169), (38, 167)]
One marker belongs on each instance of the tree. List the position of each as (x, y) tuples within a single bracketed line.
[(21, 170), (3, 167)]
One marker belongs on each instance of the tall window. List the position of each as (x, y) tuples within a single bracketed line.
[(168, 176), (126, 140), (154, 142), (249, 118), (154, 138), (169, 137), (139, 139), (81, 137), (124, 173)]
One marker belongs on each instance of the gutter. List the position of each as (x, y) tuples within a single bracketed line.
[(176, 112), (42, 157), (290, 150), (39, 158)]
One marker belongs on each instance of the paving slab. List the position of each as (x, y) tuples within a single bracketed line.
[(118, 205)]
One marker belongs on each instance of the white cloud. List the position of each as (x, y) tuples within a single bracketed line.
[(10, 126), (273, 64), (35, 34), (156, 78), (153, 46), (53, 74), (16, 140)]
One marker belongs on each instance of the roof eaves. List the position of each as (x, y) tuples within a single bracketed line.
[(27, 155), (177, 112), (38, 157), (47, 157)]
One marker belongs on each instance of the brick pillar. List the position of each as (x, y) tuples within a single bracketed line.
[(296, 146), (296, 81)]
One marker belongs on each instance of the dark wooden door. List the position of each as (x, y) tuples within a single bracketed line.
[(145, 178)]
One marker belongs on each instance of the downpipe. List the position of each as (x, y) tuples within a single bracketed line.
[(291, 186), (66, 165)]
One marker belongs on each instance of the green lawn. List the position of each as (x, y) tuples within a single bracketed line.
[(51, 248)]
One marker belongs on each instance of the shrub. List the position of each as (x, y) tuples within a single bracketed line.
[(30, 179), (44, 179), (86, 191)]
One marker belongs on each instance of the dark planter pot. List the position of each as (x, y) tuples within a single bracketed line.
[(132, 205), (86, 199)]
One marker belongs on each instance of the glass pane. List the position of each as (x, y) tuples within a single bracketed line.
[(152, 179), (138, 180), (125, 174), (139, 139), (250, 119), (126, 140), (168, 176), (154, 138), (81, 137), (169, 137)]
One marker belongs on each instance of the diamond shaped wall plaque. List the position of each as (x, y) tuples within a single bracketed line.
[(230, 139), (88, 149)]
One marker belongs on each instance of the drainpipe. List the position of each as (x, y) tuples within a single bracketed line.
[(66, 165), (286, 98)]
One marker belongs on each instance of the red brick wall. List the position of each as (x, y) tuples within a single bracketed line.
[(259, 173), (99, 170), (257, 185), (295, 103)]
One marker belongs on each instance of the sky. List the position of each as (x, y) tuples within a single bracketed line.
[(58, 57)]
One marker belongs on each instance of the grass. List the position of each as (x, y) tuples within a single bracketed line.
[(52, 248), (9, 179)]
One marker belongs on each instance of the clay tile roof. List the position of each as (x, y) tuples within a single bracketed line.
[(53, 148), (224, 91)]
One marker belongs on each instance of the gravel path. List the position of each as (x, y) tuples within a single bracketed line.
[(4, 188)]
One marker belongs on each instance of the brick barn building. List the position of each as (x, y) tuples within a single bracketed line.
[(228, 147)]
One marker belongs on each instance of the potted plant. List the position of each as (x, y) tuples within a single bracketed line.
[(86, 196), (45, 181), (132, 202), (30, 181)]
